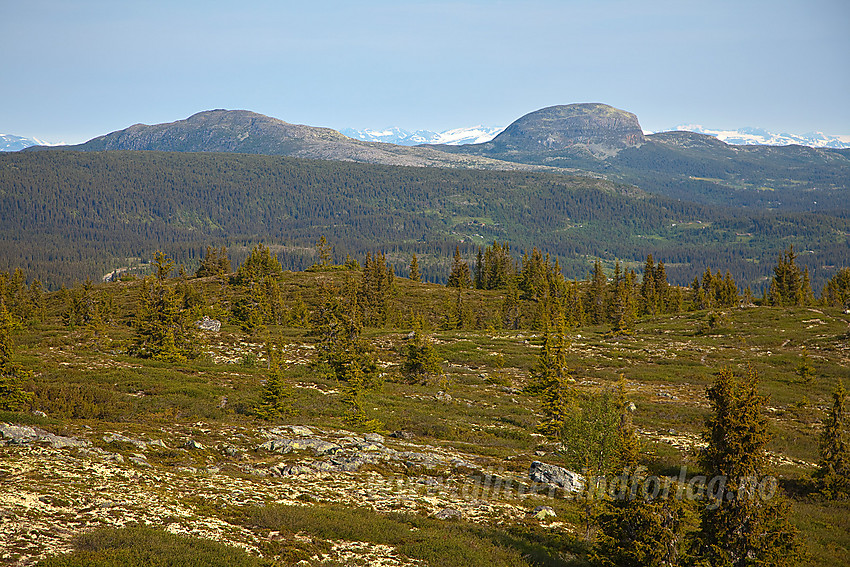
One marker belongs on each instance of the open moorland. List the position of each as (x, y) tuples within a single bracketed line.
[(124, 454)]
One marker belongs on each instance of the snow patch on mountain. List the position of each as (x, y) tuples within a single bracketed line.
[(402, 137), (11, 143), (759, 136)]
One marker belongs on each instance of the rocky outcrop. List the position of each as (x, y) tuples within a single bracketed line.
[(24, 434), (559, 476), (348, 452), (282, 445)]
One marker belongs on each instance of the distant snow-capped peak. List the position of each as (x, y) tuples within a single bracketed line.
[(759, 136), (400, 136), (11, 143)]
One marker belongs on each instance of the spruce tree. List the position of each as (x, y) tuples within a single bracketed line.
[(698, 300), (806, 294), (836, 292), (622, 303), (639, 526), (340, 349), (377, 291), (479, 270), (662, 289), (459, 276), (162, 329), (258, 280), (325, 252), (17, 296), (738, 528), (510, 308), (298, 315), (833, 474), (215, 263), (259, 264), (276, 397), (353, 396), (37, 299), (533, 280), (12, 377), (497, 267), (805, 370), (595, 302), (786, 287), (551, 379), (648, 288), (414, 275), (162, 266), (420, 360)]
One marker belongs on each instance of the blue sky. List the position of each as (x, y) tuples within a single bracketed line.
[(74, 70)]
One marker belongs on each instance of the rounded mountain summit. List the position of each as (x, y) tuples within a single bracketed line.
[(598, 128)]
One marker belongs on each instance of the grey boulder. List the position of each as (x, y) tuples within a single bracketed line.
[(551, 474)]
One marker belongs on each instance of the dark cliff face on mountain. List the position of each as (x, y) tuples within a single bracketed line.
[(598, 127)]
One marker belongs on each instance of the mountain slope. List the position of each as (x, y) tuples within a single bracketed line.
[(10, 143), (589, 139), (242, 131), (761, 137), (598, 129), (683, 165), (455, 136)]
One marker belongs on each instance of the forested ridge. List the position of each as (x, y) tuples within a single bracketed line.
[(68, 216), (699, 168)]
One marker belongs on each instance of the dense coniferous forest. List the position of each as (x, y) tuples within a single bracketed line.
[(69, 216)]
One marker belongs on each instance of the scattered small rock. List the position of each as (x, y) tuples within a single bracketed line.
[(284, 469), (543, 512), (194, 445), (302, 430), (232, 452), (117, 438), (140, 460), (448, 514), (442, 396), (208, 324)]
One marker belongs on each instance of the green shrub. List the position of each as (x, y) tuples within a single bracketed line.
[(136, 547)]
